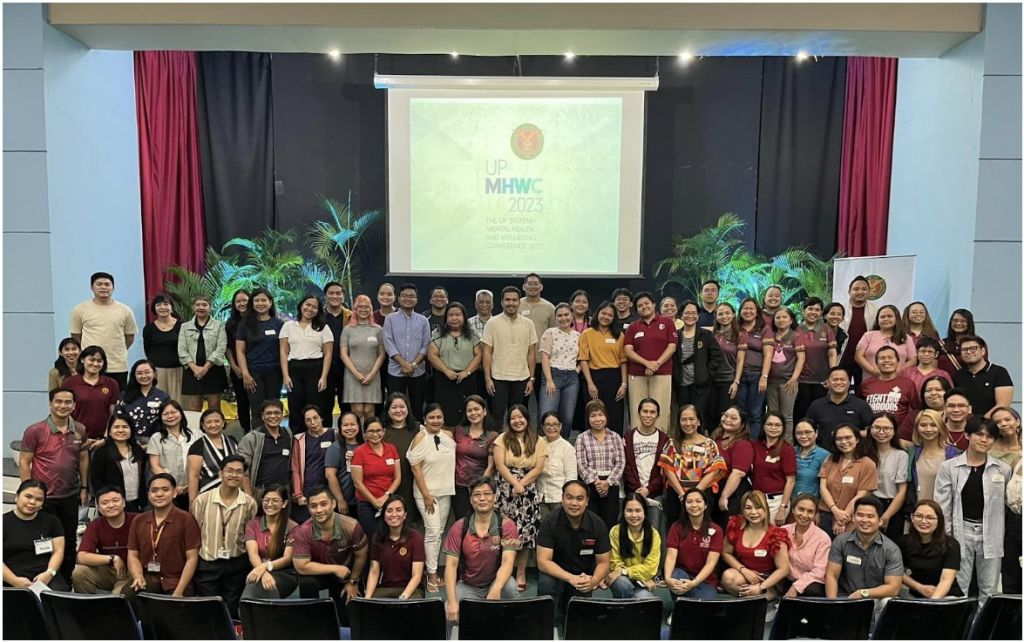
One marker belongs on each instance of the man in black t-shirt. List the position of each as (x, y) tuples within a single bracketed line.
[(987, 384)]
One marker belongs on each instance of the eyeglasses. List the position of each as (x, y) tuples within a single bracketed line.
[(882, 429), (969, 349), (373, 431), (271, 501), (272, 413), (554, 425), (925, 518), (958, 405), (481, 495)]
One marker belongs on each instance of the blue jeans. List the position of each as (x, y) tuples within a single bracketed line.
[(560, 592), (702, 591), (567, 388), (752, 402), (623, 588)]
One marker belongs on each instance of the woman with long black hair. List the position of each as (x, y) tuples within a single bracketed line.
[(397, 556), (66, 364), (141, 400), (121, 462), (168, 448), (258, 352), (269, 547), (636, 552), (603, 361), (307, 349), (961, 323), (239, 304)]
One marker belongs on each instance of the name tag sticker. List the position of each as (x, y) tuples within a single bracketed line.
[(44, 546), (853, 559), (525, 312), (223, 554), (847, 479), (760, 552), (285, 452), (270, 333), (638, 335), (389, 461), (998, 478), (153, 404), (711, 531), (771, 460), (371, 339), (609, 340), (153, 567), (325, 444), (699, 450)]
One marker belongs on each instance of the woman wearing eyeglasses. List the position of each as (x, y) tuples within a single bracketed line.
[(892, 464), (432, 457), (930, 555), (269, 547), (376, 474), (846, 476)]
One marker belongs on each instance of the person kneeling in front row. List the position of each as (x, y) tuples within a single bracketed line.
[(103, 554)]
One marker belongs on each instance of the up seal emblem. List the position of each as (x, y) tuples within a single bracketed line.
[(527, 141)]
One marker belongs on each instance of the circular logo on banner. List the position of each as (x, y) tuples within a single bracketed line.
[(876, 287), (527, 141)]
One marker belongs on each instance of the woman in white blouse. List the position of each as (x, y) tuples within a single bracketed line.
[(307, 348), (560, 381), (561, 464), (432, 458)]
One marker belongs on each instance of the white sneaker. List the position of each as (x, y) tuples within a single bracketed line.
[(773, 608)]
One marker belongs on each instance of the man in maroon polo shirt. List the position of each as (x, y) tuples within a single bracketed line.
[(103, 554), (649, 345), (53, 451)]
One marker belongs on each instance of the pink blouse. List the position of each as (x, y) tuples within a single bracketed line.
[(807, 562)]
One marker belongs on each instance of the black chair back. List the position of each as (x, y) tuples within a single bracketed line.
[(904, 618), (23, 617), (378, 619), (738, 619), (90, 617), (1000, 619), (184, 618), (289, 619), (526, 619), (822, 618), (589, 619)]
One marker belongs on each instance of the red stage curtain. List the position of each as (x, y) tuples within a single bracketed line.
[(867, 155), (169, 167)]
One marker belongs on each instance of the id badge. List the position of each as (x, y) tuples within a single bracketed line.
[(44, 546), (325, 444), (153, 567), (223, 554), (285, 452)]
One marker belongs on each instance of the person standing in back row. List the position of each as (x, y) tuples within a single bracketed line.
[(259, 354), (861, 316), (102, 321), (541, 312), (649, 345), (406, 337), (510, 355)]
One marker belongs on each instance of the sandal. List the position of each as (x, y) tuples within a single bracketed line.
[(433, 585)]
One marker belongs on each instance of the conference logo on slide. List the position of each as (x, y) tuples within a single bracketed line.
[(876, 287), (527, 141)]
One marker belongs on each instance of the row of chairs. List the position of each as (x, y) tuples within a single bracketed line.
[(64, 616)]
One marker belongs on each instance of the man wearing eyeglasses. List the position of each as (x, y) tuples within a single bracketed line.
[(957, 412), (266, 451), (987, 384), (222, 514)]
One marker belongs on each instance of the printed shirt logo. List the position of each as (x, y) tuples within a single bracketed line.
[(527, 141)]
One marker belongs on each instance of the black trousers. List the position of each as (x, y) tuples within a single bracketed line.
[(452, 396), (335, 383), (305, 374), (120, 377), (607, 507), (66, 510), (699, 397), (225, 578), (607, 382), (718, 402), (311, 585), (506, 395), (242, 401), (268, 386), (805, 394), (413, 388)]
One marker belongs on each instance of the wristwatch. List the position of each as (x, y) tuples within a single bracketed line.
[(270, 565), (110, 560), (52, 572), (865, 593)]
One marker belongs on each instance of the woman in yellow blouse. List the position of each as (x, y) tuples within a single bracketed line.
[(603, 361), (636, 552)]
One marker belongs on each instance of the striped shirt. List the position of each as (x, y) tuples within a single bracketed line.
[(510, 339), (222, 526)]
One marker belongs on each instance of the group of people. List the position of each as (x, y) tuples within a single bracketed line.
[(713, 450)]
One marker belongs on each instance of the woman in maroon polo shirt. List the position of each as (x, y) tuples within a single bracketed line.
[(376, 474), (269, 547), (693, 549), (756, 552), (734, 445), (397, 556), (95, 394), (774, 468)]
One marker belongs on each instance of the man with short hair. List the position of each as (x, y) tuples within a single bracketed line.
[(102, 321), (406, 337), (267, 451), (864, 563), (103, 554), (438, 303), (988, 386), (330, 551), (861, 316), (337, 317), (573, 550), (509, 355), (622, 301), (53, 451), (540, 311), (649, 345), (222, 514), (971, 490), (839, 406), (163, 543), (891, 393), (708, 304), (957, 412), (484, 302)]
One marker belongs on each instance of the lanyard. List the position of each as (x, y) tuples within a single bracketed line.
[(155, 534)]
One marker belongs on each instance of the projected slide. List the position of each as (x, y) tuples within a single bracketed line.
[(506, 184), (510, 175)]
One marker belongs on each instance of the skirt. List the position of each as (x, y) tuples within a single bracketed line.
[(213, 383), (523, 509)]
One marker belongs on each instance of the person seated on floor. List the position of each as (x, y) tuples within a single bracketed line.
[(636, 552), (573, 549), (163, 543), (397, 555), (808, 550), (694, 548), (330, 550), (103, 554), (756, 552), (480, 551), (33, 540), (268, 543)]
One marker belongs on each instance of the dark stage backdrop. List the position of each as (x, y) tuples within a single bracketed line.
[(752, 136)]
